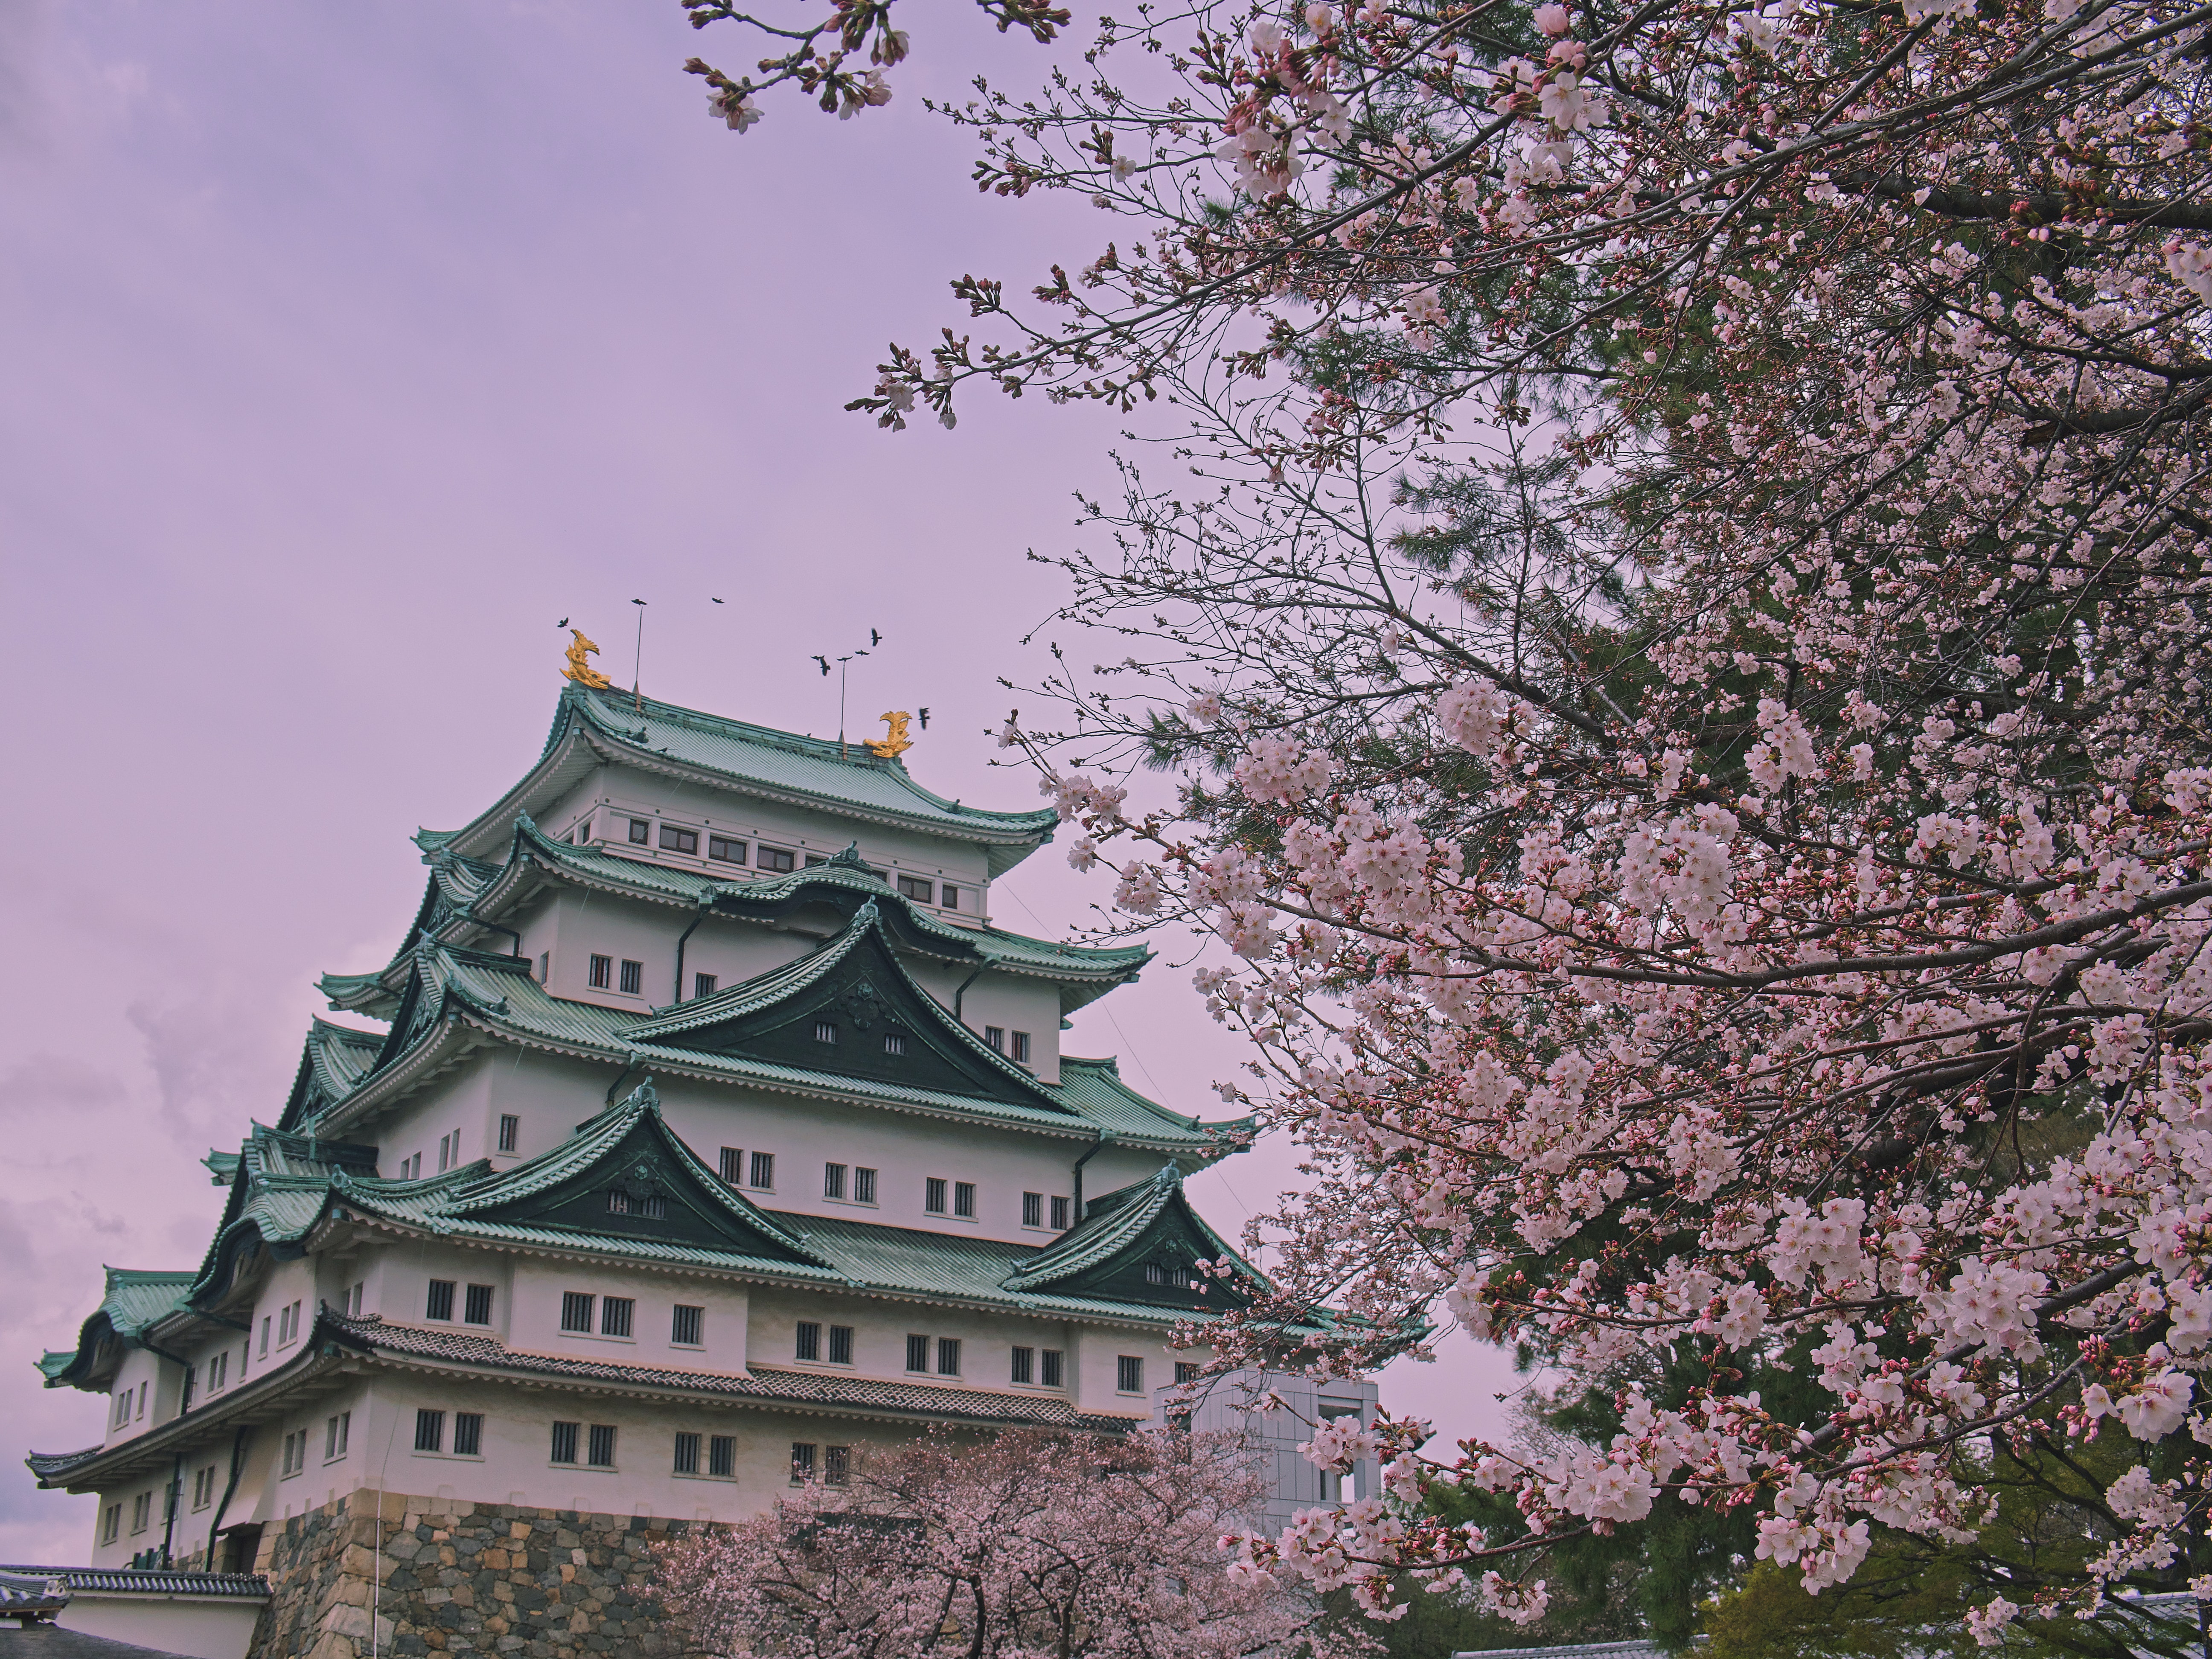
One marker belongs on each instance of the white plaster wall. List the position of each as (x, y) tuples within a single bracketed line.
[(286, 1282), (904, 1149), (535, 1322), (396, 1282), (136, 1367), (202, 1627)]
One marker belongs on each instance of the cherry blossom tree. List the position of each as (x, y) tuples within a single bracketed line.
[(1026, 1545), (1672, 664)]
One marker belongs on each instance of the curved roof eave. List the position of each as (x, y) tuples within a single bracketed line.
[(584, 736)]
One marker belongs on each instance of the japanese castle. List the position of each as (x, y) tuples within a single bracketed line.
[(703, 1128)]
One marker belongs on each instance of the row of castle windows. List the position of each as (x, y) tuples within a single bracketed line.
[(770, 861)]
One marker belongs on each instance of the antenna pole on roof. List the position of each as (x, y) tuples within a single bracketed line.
[(843, 669), (637, 662)]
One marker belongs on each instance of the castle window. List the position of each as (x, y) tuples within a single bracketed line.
[(564, 1441), (1128, 1374), (640, 834), (1021, 1048), (825, 1030), (1062, 1208), (949, 897), (917, 1353), (336, 1433), (581, 835), (218, 1371), (441, 1301), (948, 1356), (722, 1454), (733, 1165), (864, 1186), (702, 985), (775, 859), (1052, 1367), (599, 1446), (674, 839), (615, 1313), (202, 1486), (833, 1180), (603, 973), (576, 1310), (1025, 1364), (142, 1505), (836, 1465), (802, 1462), (650, 1207), (915, 887), (725, 851), (841, 1345), (895, 1043), (764, 1172), (468, 1434), (1032, 1209), (932, 1195), (111, 1522), (994, 1038), (633, 978), (963, 1199), (353, 1294), (430, 1431), (617, 1202), (810, 1340), (510, 1132), (476, 1310), (1186, 1372), (687, 1453), (683, 1330)]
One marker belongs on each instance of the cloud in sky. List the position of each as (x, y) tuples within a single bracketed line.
[(348, 349)]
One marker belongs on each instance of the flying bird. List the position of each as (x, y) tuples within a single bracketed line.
[(637, 601), (925, 719), (712, 597), (824, 661), (563, 623), (874, 638)]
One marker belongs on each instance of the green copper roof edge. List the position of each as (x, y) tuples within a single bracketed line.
[(586, 716), (684, 887), (603, 719)]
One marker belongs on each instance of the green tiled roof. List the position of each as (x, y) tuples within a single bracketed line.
[(476, 1202), (499, 994), (754, 760), (1094, 1088), (1117, 1225), (130, 1301), (738, 895)]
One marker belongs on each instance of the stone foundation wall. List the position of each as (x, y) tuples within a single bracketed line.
[(455, 1577)]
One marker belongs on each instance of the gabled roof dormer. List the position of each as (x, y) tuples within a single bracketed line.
[(624, 1173), (1140, 1244), (849, 1009)]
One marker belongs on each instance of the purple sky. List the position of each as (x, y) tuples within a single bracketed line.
[(347, 348)]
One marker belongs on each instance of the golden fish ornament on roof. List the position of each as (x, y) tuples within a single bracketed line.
[(895, 742), (580, 671)]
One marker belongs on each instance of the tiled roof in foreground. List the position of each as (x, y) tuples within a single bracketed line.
[(871, 1396), (108, 1580)]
